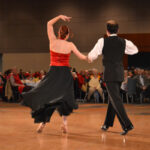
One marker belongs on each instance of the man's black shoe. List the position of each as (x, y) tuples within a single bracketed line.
[(127, 130), (104, 127)]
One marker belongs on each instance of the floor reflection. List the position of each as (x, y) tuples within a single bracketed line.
[(64, 141), (105, 138)]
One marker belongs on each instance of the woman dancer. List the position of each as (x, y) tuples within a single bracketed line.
[(55, 91)]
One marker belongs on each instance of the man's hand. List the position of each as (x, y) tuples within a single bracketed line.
[(89, 60)]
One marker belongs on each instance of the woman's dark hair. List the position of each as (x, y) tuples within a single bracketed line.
[(112, 26), (64, 31)]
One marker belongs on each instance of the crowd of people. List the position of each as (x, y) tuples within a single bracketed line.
[(137, 81), (88, 84), (13, 83)]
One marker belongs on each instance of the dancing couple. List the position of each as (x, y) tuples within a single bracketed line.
[(55, 91)]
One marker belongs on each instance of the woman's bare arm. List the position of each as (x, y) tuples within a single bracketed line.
[(77, 52), (50, 30)]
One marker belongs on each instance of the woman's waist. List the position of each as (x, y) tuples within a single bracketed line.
[(59, 63), (60, 69)]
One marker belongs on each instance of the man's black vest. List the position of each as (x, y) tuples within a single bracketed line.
[(113, 51)]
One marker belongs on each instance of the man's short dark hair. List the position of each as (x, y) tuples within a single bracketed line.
[(112, 26)]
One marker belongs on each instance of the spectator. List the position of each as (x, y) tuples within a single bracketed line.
[(141, 82), (1, 79), (1, 85), (86, 78), (124, 83), (42, 74), (130, 74), (15, 79), (17, 86), (94, 85), (21, 74)]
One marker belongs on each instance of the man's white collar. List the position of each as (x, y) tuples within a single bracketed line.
[(113, 35)]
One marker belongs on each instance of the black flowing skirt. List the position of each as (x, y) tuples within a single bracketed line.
[(55, 91)]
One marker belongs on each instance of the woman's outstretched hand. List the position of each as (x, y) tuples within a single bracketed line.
[(89, 60), (65, 18)]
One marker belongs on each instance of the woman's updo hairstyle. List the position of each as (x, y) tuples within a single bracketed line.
[(64, 31)]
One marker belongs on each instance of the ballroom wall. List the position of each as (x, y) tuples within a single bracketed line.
[(38, 61), (23, 23)]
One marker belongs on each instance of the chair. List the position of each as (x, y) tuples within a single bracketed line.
[(86, 93), (105, 93), (131, 89), (16, 93)]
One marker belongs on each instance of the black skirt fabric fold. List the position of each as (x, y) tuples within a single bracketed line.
[(55, 91)]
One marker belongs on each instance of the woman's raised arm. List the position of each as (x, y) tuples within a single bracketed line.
[(50, 30), (77, 52)]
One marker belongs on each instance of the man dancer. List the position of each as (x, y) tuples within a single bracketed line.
[(113, 49)]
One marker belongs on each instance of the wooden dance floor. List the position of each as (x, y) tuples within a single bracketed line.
[(18, 132)]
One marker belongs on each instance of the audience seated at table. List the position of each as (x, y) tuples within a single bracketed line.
[(86, 83)]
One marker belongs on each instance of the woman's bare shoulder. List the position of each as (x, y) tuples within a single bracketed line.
[(71, 44)]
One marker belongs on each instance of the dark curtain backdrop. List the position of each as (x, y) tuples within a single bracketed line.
[(142, 60)]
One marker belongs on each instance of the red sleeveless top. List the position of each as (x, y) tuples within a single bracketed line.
[(59, 59)]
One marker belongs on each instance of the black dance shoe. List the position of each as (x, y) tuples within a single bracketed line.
[(126, 130), (104, 127)]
